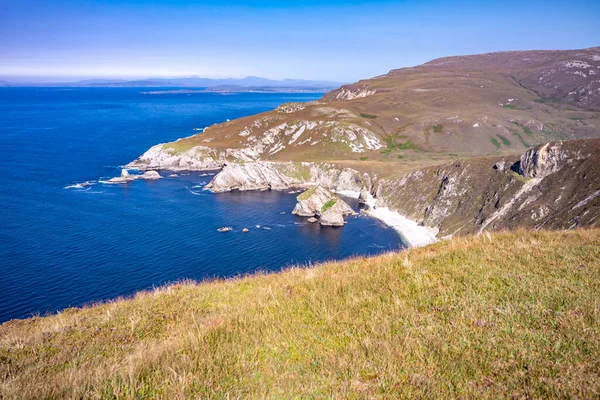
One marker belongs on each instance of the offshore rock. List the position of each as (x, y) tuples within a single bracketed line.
[(126, 177), (318, 201)]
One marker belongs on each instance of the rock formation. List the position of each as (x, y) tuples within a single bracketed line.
[(318, 201), (126, 177), (556, 185)]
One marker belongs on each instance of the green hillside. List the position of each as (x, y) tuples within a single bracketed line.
[(494, 316)]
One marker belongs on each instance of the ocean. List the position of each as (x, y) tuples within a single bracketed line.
[(64, 247)]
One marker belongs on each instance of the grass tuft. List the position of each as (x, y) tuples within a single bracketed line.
[(330, 203), (368, 116)]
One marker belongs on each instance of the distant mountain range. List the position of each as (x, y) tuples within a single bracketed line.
[(253, 83)]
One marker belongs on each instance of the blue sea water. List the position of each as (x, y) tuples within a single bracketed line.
[(64, 247)]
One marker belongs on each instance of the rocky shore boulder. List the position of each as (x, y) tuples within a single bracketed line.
[(320, 202)]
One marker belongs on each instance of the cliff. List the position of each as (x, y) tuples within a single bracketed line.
[(556, 185)]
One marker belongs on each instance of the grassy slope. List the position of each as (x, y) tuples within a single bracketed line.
[(512, 314)]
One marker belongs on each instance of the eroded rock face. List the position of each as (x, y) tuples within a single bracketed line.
[(557, 187)]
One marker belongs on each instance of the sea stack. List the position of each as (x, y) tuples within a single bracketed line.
[(320, 202)]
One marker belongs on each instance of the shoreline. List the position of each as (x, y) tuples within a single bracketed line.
[(411, 233)]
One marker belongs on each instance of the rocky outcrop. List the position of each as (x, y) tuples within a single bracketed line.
[(320, 202), (334, 215), (126, 177), (541, 161), (556, 186), (363, 196)]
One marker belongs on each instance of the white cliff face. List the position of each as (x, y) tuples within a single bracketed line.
[(197, 158), (259, 176), (263, 175)]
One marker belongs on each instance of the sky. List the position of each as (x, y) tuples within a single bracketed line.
[(341, 41)]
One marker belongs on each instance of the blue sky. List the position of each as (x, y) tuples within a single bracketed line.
[(329, 39)]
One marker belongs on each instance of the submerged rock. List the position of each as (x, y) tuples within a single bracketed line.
[(225, 229), (319, 201)]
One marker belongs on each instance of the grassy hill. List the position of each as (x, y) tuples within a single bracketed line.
[(494, 316), (466, 106)]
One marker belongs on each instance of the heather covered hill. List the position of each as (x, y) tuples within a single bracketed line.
[(508, 314), (488, 104)]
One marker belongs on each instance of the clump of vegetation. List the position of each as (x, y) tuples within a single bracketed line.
[(364, 158), (307, 193), (549, 101), (518, 136), (179, 146), (504, 140), (520, 177), (510, 107), (393, 145), (408, 145), (576, 119), (368, 116), (525, 128), (330, 203), (438, 128), (490, 316), (495, 142)]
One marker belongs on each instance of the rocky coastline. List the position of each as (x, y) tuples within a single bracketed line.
[(551, 186)]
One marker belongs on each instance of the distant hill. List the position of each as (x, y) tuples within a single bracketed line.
[(487, 104), (194, 81), (250, 83)]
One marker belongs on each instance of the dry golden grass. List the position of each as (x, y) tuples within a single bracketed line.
[(494, 316)]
